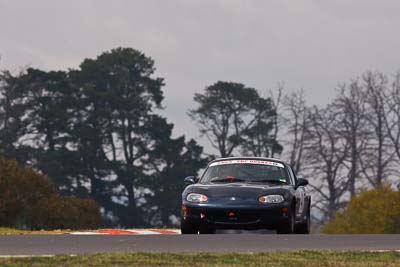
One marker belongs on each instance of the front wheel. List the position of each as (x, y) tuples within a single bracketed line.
[(287, 227), (304, 227), (188, 228)]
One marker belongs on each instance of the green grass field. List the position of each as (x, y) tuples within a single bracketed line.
[(298, 259)]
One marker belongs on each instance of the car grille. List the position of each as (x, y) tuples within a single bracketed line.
[(239, 217)]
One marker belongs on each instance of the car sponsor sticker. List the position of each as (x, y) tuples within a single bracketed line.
[(247, 161)]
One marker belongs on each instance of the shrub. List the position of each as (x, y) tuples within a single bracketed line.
[(371, 212), (27, 200), (64, 212)]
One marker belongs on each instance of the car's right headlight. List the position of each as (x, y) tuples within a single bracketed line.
[(197, 198), (271, 199)]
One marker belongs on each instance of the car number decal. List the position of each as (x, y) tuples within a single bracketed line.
[(247, 161)]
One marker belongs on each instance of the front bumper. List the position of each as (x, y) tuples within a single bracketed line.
[(268, 216)]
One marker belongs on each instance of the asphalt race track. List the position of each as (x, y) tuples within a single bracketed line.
[(78, 244)]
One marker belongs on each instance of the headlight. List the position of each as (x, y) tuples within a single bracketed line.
[(271, 199), (197, 198)]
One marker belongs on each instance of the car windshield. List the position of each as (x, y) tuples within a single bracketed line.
[(245, 171)]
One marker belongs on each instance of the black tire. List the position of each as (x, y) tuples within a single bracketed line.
[(304, 228), (188, 228), (205, 230), (287, 227)]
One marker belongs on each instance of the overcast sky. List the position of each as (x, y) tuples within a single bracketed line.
[(304, 43)]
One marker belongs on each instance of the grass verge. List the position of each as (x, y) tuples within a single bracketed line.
[(13, 231), (298, 259)]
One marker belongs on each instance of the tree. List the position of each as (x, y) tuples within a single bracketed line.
[(277, 119), (259, 140), (116, 122), (12, 110), (326, 155), (96, 133), (231, 115), (49, 102), (378, 156), (353, 127), (117, 131), (371, 212), (392, 118), (296, 120)]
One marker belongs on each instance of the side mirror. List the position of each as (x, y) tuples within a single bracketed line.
[(190, 180), (301, 182)]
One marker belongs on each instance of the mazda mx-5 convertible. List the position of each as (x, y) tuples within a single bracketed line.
[(246, 193)]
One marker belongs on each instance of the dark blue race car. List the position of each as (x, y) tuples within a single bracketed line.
[(246, 193)]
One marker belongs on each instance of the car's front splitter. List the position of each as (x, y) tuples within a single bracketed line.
[(246, 218)]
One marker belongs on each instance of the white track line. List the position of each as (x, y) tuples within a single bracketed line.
[(382, 250), (85, 233), (132, 231), (143, 232)]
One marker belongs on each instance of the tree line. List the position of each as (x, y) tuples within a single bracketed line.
[(348, 145), (96, 133)]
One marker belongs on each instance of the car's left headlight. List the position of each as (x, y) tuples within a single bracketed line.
[(197, 198), (271, 199)]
